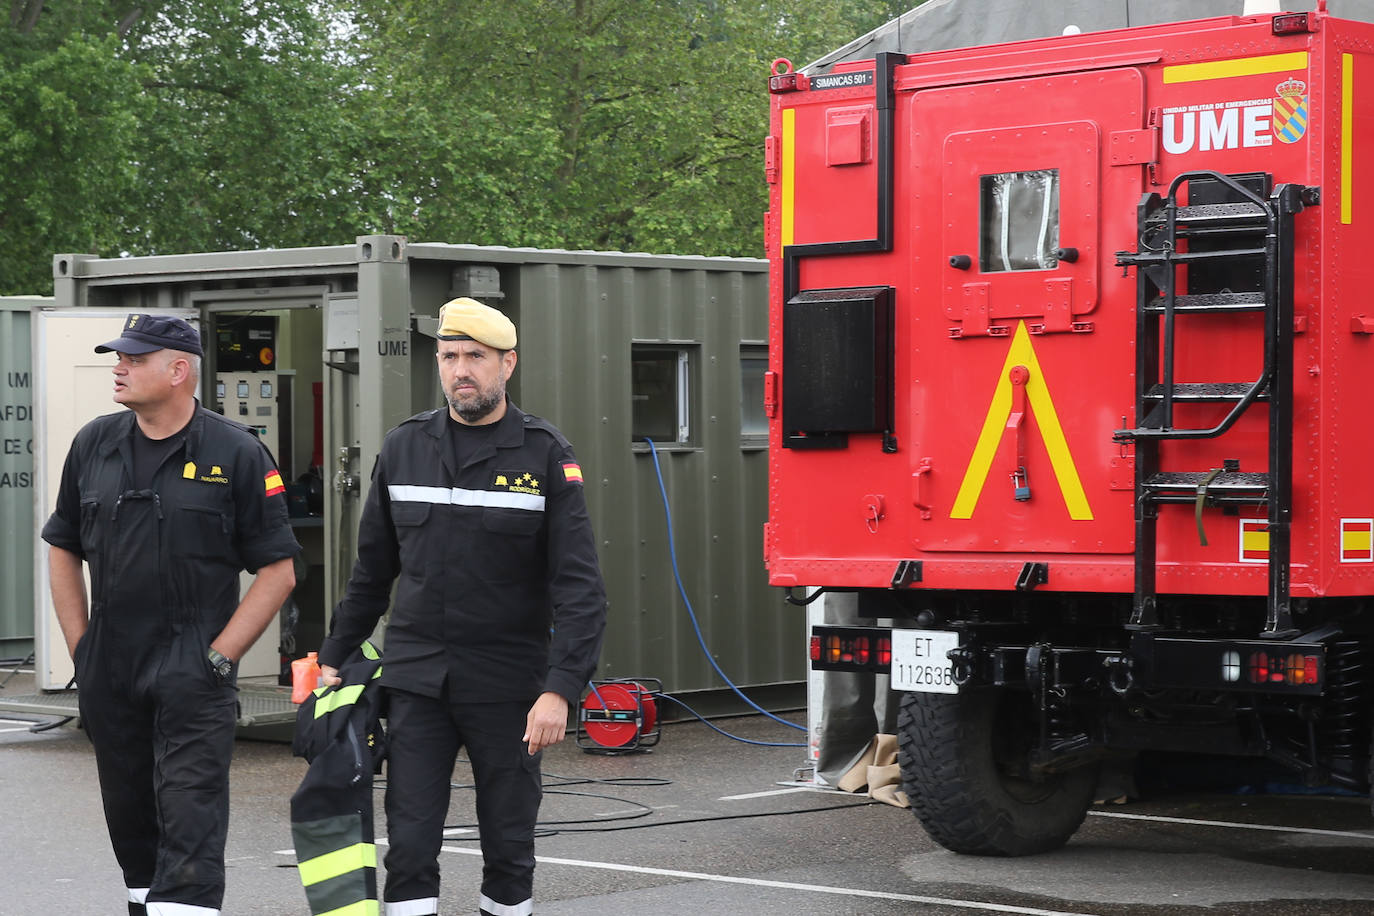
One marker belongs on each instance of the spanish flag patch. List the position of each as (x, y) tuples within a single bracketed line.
[(572, 473), (273, 484)]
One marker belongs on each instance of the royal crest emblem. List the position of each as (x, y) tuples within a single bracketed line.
[(1290, 110)]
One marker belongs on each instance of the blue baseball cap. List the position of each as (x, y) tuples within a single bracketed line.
[(146, 333)]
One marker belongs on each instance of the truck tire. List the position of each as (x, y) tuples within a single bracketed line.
[(963, 761)]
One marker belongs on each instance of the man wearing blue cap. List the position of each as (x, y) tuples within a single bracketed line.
[(498, 618), (167, 502)]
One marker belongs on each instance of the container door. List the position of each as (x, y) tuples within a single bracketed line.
[(1023, 202), (71, 386), (346, 473)]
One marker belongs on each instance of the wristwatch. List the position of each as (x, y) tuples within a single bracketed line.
[(219, 662)]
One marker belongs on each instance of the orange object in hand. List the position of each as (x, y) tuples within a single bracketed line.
[(305, 677)]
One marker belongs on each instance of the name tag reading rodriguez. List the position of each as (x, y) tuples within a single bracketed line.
[(920, 661)]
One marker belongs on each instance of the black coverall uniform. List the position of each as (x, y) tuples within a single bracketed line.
[(164, 565), (499, 600)]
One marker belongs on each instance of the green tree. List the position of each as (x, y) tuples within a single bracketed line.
[(190, 125), (169, 127), (619, 124), (248, 145), (70, 111)]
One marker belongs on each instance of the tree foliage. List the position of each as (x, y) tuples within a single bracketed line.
[(193, 125)]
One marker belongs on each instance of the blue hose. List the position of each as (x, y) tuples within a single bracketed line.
[(677, 577)]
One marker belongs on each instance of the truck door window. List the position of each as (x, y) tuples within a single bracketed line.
[(1019, 221)]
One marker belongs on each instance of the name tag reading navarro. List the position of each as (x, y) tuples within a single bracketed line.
[(920, 661)]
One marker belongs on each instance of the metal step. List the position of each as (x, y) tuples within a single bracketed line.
[(1212, 302), (1227, 488), (1208, 392), (1131, 259), (1205, 217)]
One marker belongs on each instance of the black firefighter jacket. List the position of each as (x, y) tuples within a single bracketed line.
[(499, 591), (338, 729)]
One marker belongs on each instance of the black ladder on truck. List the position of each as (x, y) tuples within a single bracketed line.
[(1239, 235)]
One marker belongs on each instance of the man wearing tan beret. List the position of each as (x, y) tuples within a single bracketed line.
[(498, 618)]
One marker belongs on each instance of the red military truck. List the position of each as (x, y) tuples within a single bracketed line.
[(1071, 370)]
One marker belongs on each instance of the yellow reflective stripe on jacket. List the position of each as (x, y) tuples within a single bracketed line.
[(361, 908), (336, 863), (344, 696)]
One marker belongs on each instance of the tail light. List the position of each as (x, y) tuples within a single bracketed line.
[(1295, 668), (851, 649), (860, 653)]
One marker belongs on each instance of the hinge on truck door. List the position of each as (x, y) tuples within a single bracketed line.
[(1134, 147)]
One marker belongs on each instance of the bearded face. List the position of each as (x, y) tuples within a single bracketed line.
[(473, 378)]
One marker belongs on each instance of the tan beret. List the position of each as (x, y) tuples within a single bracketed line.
[(468, 319)]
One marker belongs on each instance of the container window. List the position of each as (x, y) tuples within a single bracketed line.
[(753, 424), (1019, 221), (659, 392)]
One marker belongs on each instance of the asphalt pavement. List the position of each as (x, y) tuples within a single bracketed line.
[(703, 823)]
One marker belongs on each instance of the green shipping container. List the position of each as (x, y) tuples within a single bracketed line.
[(619, 350), (16, 478)]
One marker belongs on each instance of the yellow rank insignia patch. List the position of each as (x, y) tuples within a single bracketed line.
[(517, 482), (216, 475)]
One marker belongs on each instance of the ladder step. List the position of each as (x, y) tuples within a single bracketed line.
[(1213, 216), (1206, 391), (1212, 302), (1228, 487), (1130, 258)]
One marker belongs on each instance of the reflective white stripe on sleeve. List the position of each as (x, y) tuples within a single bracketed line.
[(424, 906), (137, 894), (525, 908), (457, 496), (164, 908)]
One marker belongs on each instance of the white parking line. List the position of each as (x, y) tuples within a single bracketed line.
[(781, 885), (884, 895), (789, 885), (1360, 835), (763, 794)]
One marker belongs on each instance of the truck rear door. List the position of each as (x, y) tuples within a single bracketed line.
[(1022, 331)]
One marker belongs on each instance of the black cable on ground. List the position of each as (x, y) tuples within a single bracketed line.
[(39, 727), (551, 828), (540, 830)]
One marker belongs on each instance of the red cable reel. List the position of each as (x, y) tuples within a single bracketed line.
[(619, 716)]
